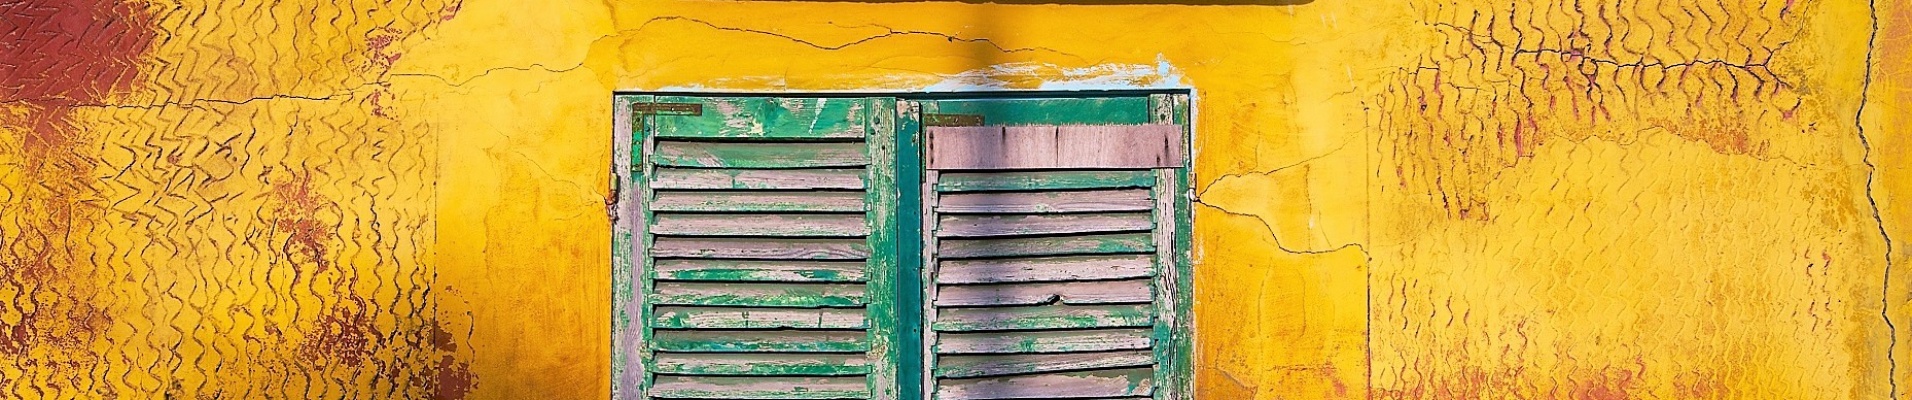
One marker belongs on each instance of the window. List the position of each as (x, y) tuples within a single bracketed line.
[(1026, 245)]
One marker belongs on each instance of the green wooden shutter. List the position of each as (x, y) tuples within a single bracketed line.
[(762, 263)]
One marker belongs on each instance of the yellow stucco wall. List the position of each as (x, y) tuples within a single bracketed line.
[(1419, 199)]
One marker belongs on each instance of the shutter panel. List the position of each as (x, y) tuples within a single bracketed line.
[(764, 273), (1052, 274)]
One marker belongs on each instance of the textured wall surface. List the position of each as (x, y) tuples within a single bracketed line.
[(1545, 199)]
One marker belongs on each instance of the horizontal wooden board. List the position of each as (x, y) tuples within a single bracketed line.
[(739, 224), (1044, 317), (1046, 202), (1046, 269), (782, 179), (1024, 294), (1043, 180), (760, 270), (758, 294), (764, 201), (759, 387), (761, 248), (1044, 341), (981, 365), (981, 225), (1055, 147), (762, 364), (1047, 246), (1076, 385), (707, 341), (1051, 110), (766, 117), (677, 317), (759, 155)]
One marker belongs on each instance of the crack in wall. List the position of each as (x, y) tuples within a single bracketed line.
[(1872, 174)]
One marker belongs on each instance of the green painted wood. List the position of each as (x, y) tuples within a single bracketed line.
[(912, 255), (768, 117), (1044, 341), (783, 179), (883, 263), (757, 201), (760, 270), (1124, 110), (1044, 180), (679, 317), (1044, 317), (760, 248), (706, 341), (629, 354), (759, 154), (979, 225), (760, 224), (758, 294), (1125, 243), (971, 366), (764, 388), (1063, 385), (763, 364)]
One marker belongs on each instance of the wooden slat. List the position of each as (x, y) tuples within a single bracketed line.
[(670, 317), (1023, 294), (767, 117), (1044, 317), (763, 364), (749, 248), (785, 179), (1046, 202), (758, 294), (760, 270), (970, 366), (1055, 147), (1046, 246), (1044, 180), (753, 387), (764, 201), (749, 341), (828, 225), (1085, 384), (759, 155), (1044, 341), (1046, 269), (977, 225)]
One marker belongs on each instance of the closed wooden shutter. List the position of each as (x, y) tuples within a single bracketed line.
[(763, 256)]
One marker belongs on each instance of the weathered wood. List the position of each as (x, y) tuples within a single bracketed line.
[(811, 364), (1043, 341), (672, 317), (786, 179), (765, 201), (970, 366), (759, 155), (1055, 147), (768, 117), (628, 353), (1045, 269), (1047, 246), (754, 387), (758, 294), (760, 270), (752, 248), (1022, 294), (1044, 180), (785, 225), (1046, 202), (1084, 384), (1034, 111), (978, 225), (704, 341), (1044, 317), (884, 263)]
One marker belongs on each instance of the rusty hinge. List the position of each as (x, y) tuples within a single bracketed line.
[(691, 109), (952, 119)]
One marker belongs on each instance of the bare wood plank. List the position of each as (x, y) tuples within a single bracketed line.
[(786, 179), (970, 366), (767, 201), (1055, 147), (976, 225), (755, 248), (1047, 246), (1044, 317), (758, 294), (1044, 180), (760, 270), (1045, 269), (768, 117), (702, 341), (735, 387), (1101, 383), (1024, 294), (1043, 342), (811, 364), (828, 225), (759, 155), (669, 317), (1046, 202)]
